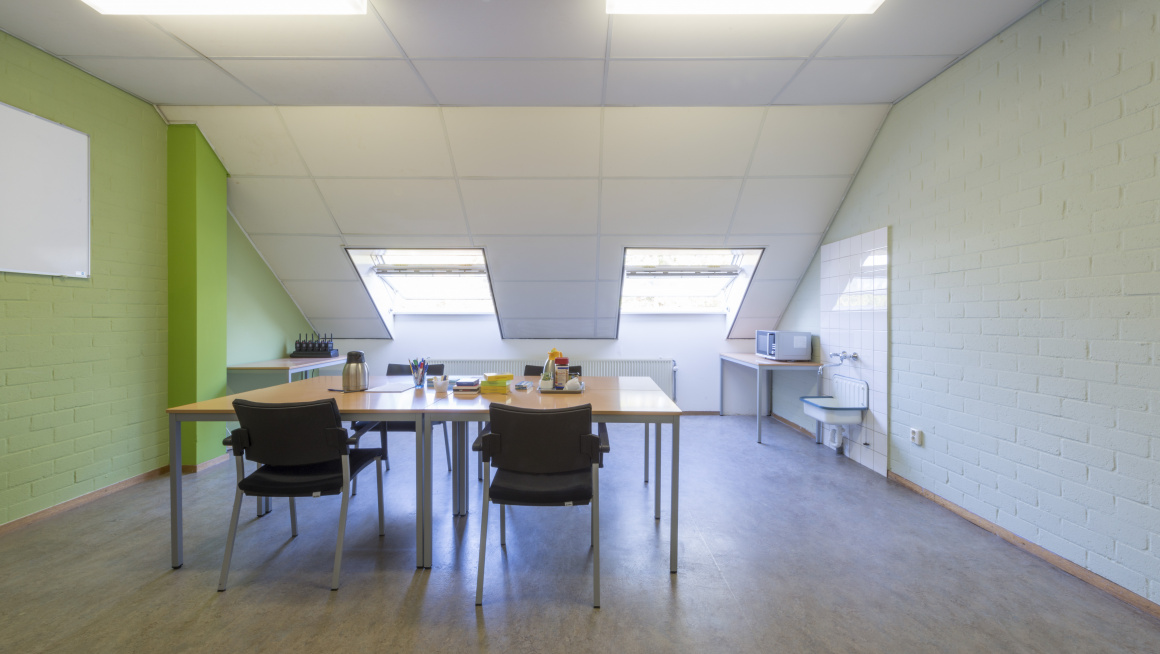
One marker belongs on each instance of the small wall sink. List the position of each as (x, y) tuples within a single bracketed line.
[(830, 410)]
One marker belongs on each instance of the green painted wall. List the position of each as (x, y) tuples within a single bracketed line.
[(263, 322), (83, 361), (197, 283)]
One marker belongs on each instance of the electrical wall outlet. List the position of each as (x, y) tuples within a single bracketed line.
[(916, 436)]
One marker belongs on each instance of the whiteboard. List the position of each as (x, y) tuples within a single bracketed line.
[(44, 196)]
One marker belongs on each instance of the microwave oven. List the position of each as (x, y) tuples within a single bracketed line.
[(784, 346)]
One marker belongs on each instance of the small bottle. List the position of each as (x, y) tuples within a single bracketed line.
[(561, 373)]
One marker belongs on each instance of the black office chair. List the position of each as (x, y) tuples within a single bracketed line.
[(536, 371), (361, 427), (542, 458), (303, 451)]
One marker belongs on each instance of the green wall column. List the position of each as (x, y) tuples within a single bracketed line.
[(197, 284)]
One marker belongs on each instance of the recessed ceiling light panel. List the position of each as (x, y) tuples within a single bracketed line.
[(228, 7), (743, 6)]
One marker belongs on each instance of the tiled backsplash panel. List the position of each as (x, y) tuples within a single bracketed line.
[(855, 284)]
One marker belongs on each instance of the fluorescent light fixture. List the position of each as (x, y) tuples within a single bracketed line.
[(743, 6), (228, 7)]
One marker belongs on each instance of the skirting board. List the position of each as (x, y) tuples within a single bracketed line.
[(794, 426), (51, 511), (102, 492), (1073, 569)]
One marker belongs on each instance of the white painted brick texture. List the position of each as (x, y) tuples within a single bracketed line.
[(1022, 192)]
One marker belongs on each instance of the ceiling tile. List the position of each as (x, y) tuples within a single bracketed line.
[(548, 328), (788, 205), (611, 265), (719, 36), (861, 81), (524, 141), (283, 36), (551, 83), (332, 300), (606, 327), (697, 82), (503, 28), (381, 206), (68, 27), (548, 258), (299, 258), (679, 141), (169, 81), (667, 206), (786, 256), (370, 141), (816, 140), (351, 327), (747, 327), (608, 299), (925, 27), (523, 206), (352, 82), (248, 140), (767, 298), (541, 299), (272, 205)]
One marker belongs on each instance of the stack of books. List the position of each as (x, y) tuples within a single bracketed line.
[(496, 382), (466, 386)]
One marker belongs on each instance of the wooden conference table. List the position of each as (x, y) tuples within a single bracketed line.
[(613, 399)]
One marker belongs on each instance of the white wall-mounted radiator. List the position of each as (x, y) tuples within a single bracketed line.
[(662, 371)]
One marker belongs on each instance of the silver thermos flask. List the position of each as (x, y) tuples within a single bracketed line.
[(355, 375)]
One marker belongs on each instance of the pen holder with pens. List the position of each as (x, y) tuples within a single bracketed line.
[(419, 374)]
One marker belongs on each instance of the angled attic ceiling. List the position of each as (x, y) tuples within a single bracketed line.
[(579, 133)]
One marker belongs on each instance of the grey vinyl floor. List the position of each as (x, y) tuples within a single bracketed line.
[(784, 547)]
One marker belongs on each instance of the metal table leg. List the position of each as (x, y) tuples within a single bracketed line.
[(676, 488), (657, 480), (175, 535), (420, 498)]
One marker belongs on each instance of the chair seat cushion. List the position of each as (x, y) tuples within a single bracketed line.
[(527, 489), (299, 481)]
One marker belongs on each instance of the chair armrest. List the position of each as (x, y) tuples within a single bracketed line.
[(241, 435), (487, 444), (605, 444)]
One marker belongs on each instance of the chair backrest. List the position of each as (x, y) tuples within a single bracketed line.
[(536, 371), (290, 434), (394, 369), (541, 440)]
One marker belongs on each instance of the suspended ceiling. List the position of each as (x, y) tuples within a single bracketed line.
[(525, 127)]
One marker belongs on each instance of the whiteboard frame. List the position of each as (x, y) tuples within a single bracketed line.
[(88, 272)]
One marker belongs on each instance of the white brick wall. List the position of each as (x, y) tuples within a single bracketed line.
[(1023, 196)]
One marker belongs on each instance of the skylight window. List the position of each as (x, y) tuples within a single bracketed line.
[(228, 7), (421, 281), (742, 6), (686, 280)]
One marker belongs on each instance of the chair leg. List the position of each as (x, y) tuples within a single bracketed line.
[(502, 525), (379, 476), (341, 521), (447, 449), (483, 536), (596, 536), (293, 519), (230, 539)]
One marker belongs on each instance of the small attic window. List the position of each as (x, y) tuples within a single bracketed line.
[(693, 280), (425, 281)]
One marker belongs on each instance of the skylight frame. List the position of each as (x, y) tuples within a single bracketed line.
[(229, 7), (742, 7), (377, 288), (730, 315)]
